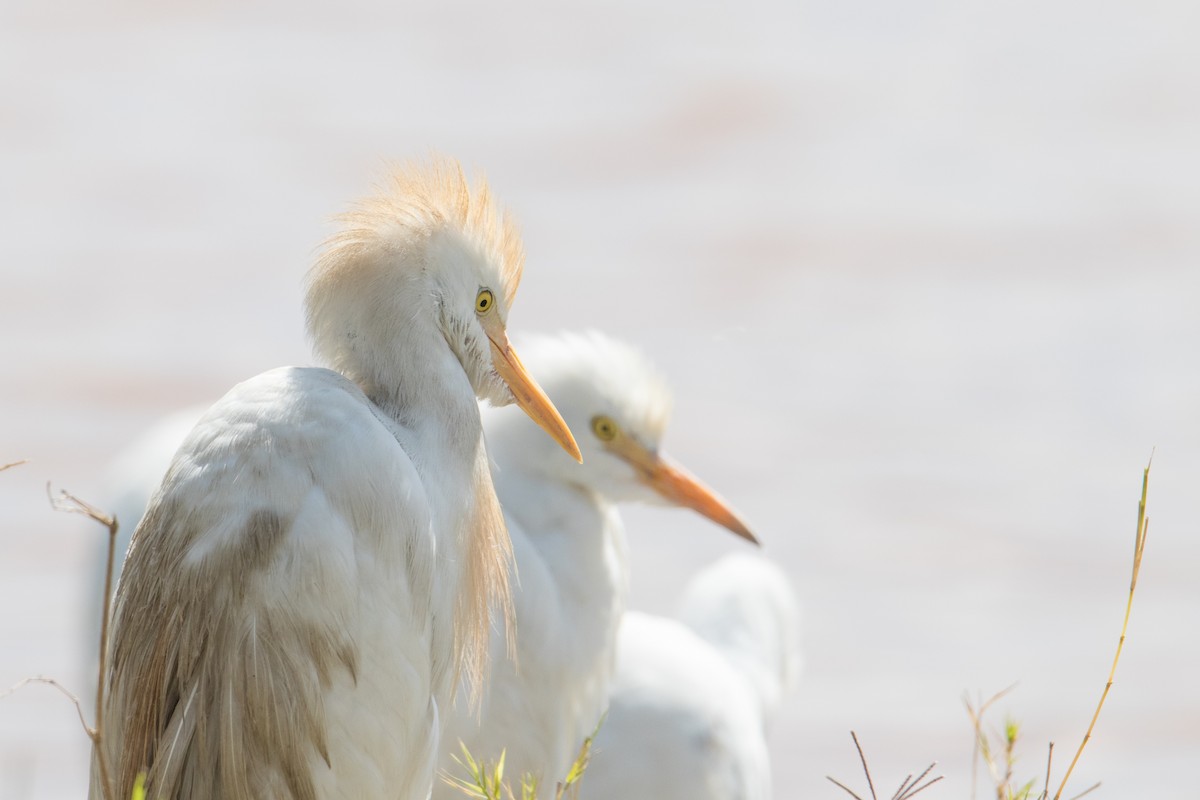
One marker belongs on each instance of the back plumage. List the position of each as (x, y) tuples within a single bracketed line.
[(744, 606), (692, 696)]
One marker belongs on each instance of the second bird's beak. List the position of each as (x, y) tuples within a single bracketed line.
[(527, 394), (676, 485)]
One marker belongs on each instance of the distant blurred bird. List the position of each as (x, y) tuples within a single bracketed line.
[(691, 696), (316, 569), (570, 582)]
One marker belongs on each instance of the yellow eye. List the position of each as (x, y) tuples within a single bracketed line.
[(604, 428), (484, 301)]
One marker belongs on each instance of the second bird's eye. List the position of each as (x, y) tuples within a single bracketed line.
[(604, 428), (484, 301)]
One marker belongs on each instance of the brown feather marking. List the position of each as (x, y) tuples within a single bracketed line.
[(215, 690), (260, 539)]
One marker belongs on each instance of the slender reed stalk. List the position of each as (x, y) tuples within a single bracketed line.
[(1143, 524), (69, 503)]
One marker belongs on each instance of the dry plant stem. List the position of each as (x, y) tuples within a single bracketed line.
[(1049, 757), (13, 464), (908, 787), (843, 787), (925, 786), (917, 790), (69, 503), (982, 750), (1088, 790), (55, 684), (863, 759), (1143, 524)]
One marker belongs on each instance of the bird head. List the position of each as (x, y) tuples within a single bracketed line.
[(428, 256), (611, 394)]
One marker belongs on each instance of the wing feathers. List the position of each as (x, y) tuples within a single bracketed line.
[(258, 669), (246, 659), (234, 618)]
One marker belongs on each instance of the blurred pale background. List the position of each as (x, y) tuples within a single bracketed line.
[(924, 277)]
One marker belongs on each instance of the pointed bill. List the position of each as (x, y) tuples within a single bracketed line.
[(528, 395), (676, 485), (679, 486)]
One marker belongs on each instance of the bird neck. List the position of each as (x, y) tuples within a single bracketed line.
[(436, 419), (535, 482), (576, 533), (546, 506), (420, 384)]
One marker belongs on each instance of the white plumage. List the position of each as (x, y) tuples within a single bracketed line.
[(569, 550), (692, 696), (316, 569)]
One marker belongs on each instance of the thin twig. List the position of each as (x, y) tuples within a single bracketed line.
[(1088, 790), (843, 786), (70, 504), (908, 787), (919, 789), (863, 759), (900, 793), (14, 464), (1143, 525), (982, 749), (51, 682), (1049, 757)]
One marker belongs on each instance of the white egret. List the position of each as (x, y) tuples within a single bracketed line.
[(569, 551), (316, 569), (692, 696)]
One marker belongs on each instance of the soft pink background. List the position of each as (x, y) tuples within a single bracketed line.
[(924, 276)]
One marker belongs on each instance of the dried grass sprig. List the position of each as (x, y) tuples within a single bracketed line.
[(68, 503), (908, 787), (1139, 546)]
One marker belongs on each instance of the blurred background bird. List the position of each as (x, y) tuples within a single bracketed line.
[(317, 569), (570, 579), (693, 695)]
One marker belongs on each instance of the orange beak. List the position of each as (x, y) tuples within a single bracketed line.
[(527, 394), (678, 486)]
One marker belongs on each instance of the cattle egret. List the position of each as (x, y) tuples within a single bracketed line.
[(315, 572), (569, 549), (691, 697)]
